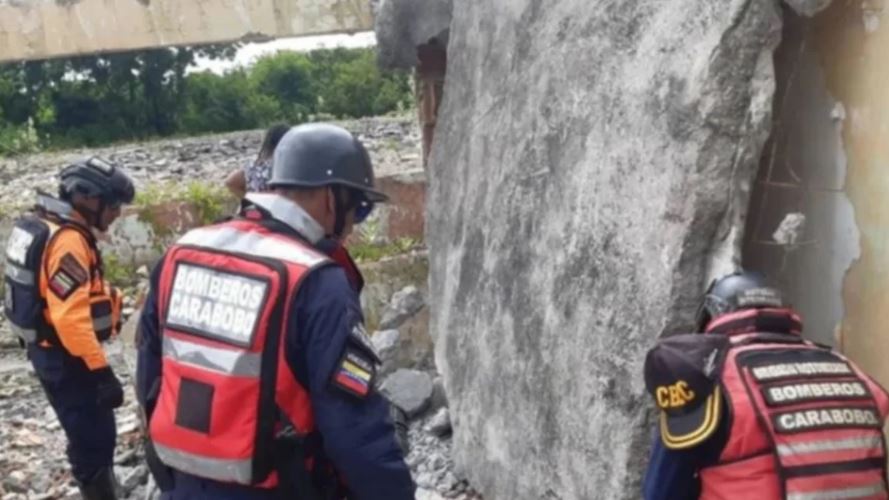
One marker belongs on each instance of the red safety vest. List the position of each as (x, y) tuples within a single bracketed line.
[(806, 424), (226, 389)]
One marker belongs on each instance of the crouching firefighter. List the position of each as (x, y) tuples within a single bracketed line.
[(749, 409), (60, 306), (254, 369)]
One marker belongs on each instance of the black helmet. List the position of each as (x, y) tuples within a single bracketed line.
[(736, 291), (320, 154), (97, 178)]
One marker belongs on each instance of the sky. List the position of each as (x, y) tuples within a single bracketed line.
[(251, 51)]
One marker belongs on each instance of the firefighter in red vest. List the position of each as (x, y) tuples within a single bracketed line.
[(750, 409), (59, 304), (254, 369)]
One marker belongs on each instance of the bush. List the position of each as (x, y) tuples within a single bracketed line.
[(97, 100), (216, 103)]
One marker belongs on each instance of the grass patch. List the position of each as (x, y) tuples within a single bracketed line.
[(209, 201), (117, 273), (364, 251)]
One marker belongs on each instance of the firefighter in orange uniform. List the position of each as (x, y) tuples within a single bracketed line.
[(60, 306)]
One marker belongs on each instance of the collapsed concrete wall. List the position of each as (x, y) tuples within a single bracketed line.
[(591, 170), (41, 29)]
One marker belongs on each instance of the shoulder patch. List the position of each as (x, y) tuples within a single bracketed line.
[(355, 373), (67, 277)]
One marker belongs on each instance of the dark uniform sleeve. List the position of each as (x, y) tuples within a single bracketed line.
[(148, 344), (358, 435), (673, 474)]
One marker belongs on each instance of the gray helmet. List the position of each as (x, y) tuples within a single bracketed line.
[(736, 291), (320, 154), (97, 178)]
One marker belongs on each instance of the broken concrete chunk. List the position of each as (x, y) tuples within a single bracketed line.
[(790, 231)]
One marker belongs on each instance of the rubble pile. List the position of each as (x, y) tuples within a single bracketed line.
[(393, 143), (33, 464)]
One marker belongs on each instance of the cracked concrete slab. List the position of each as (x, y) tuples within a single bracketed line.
[(41, 29)]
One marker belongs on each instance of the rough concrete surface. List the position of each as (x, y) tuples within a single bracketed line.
[(38, 29), (591, 169), (402, 25)]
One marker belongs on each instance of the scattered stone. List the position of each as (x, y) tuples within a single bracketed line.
[(405, 303), (440, 424), (410, 390), (15, 482)]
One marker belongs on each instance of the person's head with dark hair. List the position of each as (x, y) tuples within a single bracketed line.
[(272, 137)]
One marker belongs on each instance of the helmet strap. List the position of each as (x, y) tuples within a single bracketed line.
[(92, 217), (340, 210)]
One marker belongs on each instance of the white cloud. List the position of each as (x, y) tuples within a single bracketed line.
[(248, 54)]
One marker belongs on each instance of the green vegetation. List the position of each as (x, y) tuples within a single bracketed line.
[(118, 273), (97, 100), (363, 251), (209, 201)]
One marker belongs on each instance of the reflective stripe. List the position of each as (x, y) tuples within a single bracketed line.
[(862, 443), (235, 240), (102, 323), (25, 334), (841, 494), (227, 361), (19, 275), (220, 469)]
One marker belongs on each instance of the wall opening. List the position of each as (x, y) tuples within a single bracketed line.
[(800, 226)]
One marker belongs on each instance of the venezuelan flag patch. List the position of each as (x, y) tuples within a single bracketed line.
[(354, 374), (68, 277)]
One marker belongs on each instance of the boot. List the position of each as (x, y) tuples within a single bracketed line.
[(102, 486)]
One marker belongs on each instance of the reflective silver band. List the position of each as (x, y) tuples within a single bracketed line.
[(234, 240), (839, 494), (807, 447), (102, 323), (20, 275), (230, 362), (220, 469)]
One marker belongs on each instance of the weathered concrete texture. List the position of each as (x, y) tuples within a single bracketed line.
[(580, 183), (44, 29), (403, 25), (803, 171), (851, 40)]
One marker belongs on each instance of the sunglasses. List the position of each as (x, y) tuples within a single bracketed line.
[(363, 210)]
